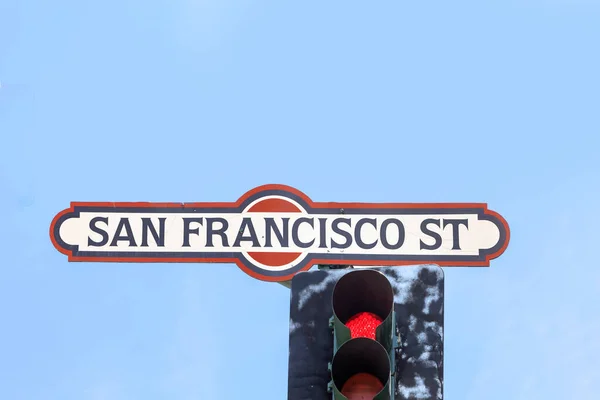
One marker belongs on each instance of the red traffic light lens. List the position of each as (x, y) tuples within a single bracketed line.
[(362, 387), (363, 324)]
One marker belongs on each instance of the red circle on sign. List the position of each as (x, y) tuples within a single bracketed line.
[(274, 259)]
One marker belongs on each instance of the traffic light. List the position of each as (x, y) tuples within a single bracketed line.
[(364, 336), (367, 334)]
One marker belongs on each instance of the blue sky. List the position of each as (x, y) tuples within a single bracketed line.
[(199, 100)]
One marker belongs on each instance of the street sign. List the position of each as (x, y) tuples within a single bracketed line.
[(274, 231)]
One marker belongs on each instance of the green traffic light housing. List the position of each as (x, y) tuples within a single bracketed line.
[(364, 333)]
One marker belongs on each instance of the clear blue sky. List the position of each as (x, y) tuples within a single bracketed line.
[(202, 100)]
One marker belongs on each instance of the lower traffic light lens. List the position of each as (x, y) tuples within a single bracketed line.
[(362, 387), (361, 369)]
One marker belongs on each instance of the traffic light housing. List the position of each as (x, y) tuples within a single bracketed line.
[(366, 333)]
